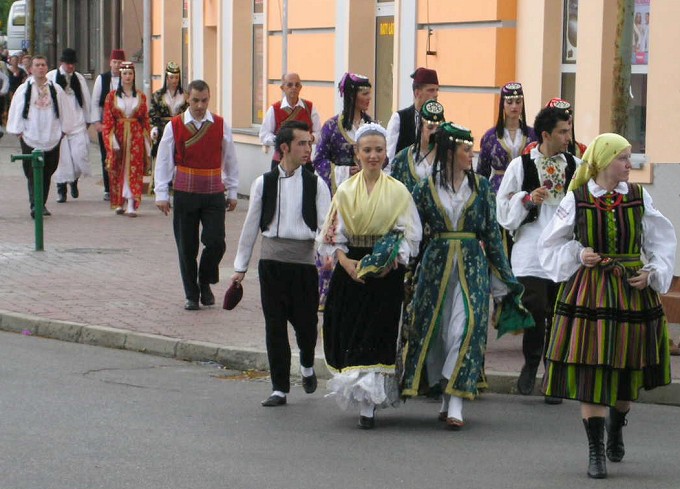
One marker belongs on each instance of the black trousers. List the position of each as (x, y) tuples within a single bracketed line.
[(539, 298), (191, 211), (289, 292), (102, 151), (51, 163)]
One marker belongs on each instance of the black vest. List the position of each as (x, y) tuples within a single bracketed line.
[(270, 189), (106, 87), (407, 127), (531, 183)]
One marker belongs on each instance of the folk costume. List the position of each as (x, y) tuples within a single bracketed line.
[(74, 160), (165, 105), (199, 158), (609, 339), (361, 321), (575, 148), (402, 127), (41, 115), (128, 146), (497, 148), (414, 163), (288, 209), (463, 263), (104, 83)]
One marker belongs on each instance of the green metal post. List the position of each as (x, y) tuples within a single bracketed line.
[(38, 165)]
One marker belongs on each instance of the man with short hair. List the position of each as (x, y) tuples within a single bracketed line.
[(197, 155), (102, 86), (290, 108), (74, 151), (529, 195), (40, 115), (288, 206), (402, 127)]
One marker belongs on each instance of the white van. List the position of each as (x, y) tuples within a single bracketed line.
[(16, 26)]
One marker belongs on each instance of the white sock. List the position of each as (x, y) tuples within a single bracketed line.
[(307, 371), (367, 409), (445, 403), (456, 408), (278, 394), (130, 205)]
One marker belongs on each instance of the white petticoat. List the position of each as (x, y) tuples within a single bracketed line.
[(356, 388)]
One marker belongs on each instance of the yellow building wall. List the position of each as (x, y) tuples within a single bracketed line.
[(312, 56), (441, 11), (302, 14)]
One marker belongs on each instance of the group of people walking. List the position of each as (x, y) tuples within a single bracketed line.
[(546, 236)]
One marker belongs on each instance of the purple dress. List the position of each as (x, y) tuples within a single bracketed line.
[(495, 155)]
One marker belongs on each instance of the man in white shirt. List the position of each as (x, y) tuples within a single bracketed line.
[(288, 206), (102, 86), (40, 116), (197, 154), (402, 127), (74, 151), (529, 195), (290, 108)]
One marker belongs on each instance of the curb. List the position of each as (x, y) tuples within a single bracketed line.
[(230, 357)]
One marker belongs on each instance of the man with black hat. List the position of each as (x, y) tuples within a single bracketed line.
[(73, 152), (401, 130), (102, 86)]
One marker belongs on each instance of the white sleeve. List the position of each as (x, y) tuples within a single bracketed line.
[(323, 202), (4, 84), (510, 211), (316, 125), (658, 244), (251, 227), (87, 101), (15, 121), (336, 240), (267, 136), (66, 115), (558, 252), (229, 164), (341, 174), (95, 109), (409, 223), (393, 135), (165, 164)]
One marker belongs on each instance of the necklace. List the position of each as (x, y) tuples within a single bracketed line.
[(608, 201)]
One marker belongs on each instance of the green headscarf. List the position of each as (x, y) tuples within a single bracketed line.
[(600, 153)]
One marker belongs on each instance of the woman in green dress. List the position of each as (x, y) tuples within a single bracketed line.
[(445, 328)]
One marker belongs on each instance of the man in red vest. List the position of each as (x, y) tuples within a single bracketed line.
[(197, 150), (290, 108)]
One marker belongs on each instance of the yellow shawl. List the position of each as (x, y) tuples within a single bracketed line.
[(600, 153)]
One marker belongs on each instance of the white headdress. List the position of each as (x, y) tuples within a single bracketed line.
[(370, 127)]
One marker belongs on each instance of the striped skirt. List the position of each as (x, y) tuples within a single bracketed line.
[(608, 339)]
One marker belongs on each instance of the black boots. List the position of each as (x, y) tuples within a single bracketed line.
[(597, 463), (74, 189), (615, 423), (61, 193)]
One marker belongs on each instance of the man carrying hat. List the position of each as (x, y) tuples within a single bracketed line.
[(73, 153), (102, 86), (401, 130)]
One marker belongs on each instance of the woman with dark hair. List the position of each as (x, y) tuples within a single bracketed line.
[(128, 146), (506, 141), (371, 229), (166, 103), (615, 253), (445, 328), (334, 160)]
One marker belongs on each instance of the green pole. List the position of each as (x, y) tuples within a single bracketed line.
[(38, 162)]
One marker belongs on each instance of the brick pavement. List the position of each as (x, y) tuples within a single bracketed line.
[(103, 270)]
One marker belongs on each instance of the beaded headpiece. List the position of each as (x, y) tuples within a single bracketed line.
[(370, 127), (127, 66), (172, 68), (512, 91), (457, 133), (432, 112)]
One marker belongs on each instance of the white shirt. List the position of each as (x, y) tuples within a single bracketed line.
[(510, 212), (4, 82), (268, 127), (81, 115), (165, 159), (560, 254), (393, 127), (41, 130), (95, 109), (288, 222)]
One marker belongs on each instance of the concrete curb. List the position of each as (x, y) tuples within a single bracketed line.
[(229, 356)]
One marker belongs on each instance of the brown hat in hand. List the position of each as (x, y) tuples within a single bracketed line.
[(232, 296)]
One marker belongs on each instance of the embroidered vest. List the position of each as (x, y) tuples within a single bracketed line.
[(407, 127), (198, 156), (531, 183), (270, 189), (296, 114)]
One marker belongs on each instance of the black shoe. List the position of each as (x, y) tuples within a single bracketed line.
[(552, 400), (107, 196), (597, 462), (527, 380), (61, 193), (32, 214), (273, 401), (207, 297), (614, 425), (46, 212), (366, 423), (309, 383), (74, 189), (191, 305)]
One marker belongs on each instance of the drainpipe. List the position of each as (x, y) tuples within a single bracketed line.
[(284, 41), (146, 49)]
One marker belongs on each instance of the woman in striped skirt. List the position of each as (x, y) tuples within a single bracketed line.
[(610, 335)]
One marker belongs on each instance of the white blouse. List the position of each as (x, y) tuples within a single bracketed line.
[(560, 254)]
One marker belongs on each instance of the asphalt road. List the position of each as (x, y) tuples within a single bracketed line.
[(75, 416)]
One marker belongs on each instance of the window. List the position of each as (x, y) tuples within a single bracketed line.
[(569, 50), (258, 62)]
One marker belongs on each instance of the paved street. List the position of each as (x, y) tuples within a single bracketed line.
[(80, 417)]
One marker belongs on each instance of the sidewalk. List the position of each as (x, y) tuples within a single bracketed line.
[(114, 281)]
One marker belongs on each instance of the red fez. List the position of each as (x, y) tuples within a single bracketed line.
[(118, 54), (425, 76)]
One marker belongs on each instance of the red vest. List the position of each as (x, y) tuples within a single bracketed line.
[(198, 156), (296, 114)]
